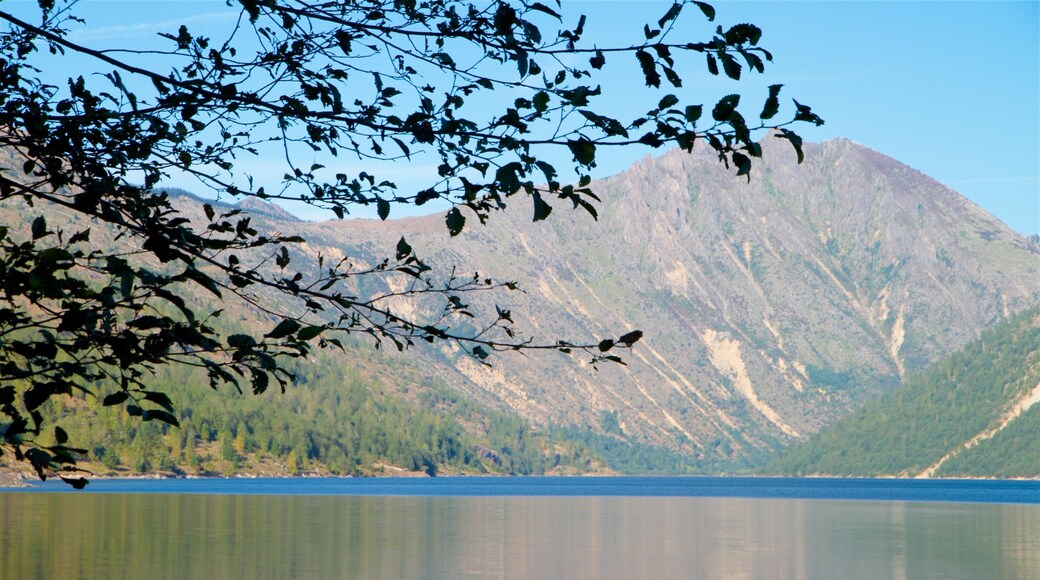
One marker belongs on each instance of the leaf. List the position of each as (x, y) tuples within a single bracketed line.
[(744, 32), (605, 345), (541, 209), (425, 196), (282, 259), (796, 142), (208, 209), (693, 113), (203, 280), (646, 62), (163, 416), (75, 482), (81, 236), (804, 113), (743, 164), (540, 101), (455, 221), (241, 341), (543, 8), (673, 77), (283, 329), (403, 249), (584, 151), (60, 435), (669, 16), (383, 208), (116, 398), (36, 396), (772, 106), (713, 65), (667, 101), (260, 381), (731, 66), (631, 338), (707, 9), (159, 399), (39, 228), (598, 60), (725, 107), (309, 332)]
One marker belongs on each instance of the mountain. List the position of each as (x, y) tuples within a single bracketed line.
[(975, 414), (770, 307)]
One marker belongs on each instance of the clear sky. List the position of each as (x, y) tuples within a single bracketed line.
[(949, 88)]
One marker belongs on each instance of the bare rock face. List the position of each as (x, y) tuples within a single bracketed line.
[(770, 307)]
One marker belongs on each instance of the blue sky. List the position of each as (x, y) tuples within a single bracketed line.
[(949, 88)]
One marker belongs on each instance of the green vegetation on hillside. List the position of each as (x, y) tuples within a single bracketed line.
[(1013, 452), (334, 420), (913, 427)]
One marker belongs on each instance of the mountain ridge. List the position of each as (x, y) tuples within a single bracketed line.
[(771, 307), (840, 276)]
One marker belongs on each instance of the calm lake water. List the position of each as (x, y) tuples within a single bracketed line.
[(544, 528)]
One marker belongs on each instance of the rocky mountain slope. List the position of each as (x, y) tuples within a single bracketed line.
[(770, 308)]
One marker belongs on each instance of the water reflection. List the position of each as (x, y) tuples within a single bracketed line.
[(219, 536)]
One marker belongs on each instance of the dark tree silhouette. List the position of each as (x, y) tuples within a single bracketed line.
[(492, 90)]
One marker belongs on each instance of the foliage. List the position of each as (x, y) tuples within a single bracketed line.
[(332, 421), (914, 426), (379, 81), (1013, 452)]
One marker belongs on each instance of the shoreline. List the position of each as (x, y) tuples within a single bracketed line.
[(15, 481)]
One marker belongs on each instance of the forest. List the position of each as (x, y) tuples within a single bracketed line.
[(909, 429)]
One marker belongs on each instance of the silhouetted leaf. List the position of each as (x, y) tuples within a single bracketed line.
[(631, 338), (115, 398), (673, 12), (309, 332), (650, 74), (772, 106), (796, 142), (725, 107), (584, 151), (598, 60), (165, 417), (283, 329), (455, 221), (403, 249), (707, 9), (158, 398), (541, 209), (39, 228)]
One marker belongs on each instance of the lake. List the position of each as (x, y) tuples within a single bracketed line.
[(544, 528)]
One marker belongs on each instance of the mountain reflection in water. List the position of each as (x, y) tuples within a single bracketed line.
[(61, 535)]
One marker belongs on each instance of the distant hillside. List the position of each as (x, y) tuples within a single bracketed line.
[(973, 415), (770, 308)]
